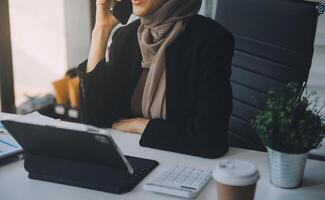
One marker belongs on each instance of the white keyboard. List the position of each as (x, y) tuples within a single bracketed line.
[(180, 181)]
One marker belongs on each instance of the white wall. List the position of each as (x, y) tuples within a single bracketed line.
[(317, 72), (38, 42), (78, 30), (48, 36)]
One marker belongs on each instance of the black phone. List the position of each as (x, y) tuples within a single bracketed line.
[(123, 10)]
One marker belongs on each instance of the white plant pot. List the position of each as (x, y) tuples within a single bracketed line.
[(286, 170)]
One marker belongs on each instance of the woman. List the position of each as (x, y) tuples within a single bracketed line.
[(167, 77)]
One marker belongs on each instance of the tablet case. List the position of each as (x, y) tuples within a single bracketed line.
[(77, 158)]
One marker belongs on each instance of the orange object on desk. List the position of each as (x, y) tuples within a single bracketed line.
[(61, 91), (73, 88)]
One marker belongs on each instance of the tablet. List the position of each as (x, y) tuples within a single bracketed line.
[(85, 143), (76, 154)]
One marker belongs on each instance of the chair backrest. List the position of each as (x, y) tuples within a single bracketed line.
[(274, 46)]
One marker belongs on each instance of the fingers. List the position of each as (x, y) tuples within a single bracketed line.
[(101, 2), (107, 2)]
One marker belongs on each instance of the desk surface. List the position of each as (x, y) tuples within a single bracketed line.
[(14, 184)]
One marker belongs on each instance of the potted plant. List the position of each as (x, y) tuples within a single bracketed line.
[(289, 125)]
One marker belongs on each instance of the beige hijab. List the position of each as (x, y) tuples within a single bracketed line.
[(156, 32)]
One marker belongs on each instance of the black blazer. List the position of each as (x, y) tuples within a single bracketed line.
[(199, 94)]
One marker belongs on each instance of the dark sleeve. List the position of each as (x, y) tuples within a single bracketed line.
[(206, 133), (96, 88)]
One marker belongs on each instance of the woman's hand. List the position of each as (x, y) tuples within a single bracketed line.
[(104, 16), (105, 22), (135, 125)]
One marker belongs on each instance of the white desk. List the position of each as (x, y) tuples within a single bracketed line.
[(14, 184)]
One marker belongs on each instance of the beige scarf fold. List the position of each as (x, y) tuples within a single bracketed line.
[(156, 32)]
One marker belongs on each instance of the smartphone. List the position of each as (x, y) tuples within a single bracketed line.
[(123, 10)]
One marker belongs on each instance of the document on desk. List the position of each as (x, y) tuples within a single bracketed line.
[(8, 145), (38, 119)]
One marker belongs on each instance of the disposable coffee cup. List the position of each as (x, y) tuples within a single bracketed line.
[(235, 180)]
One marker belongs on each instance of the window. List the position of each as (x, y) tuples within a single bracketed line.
[(48, 38), (6, 77)]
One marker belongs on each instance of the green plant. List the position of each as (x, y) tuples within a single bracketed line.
[(289, 123)]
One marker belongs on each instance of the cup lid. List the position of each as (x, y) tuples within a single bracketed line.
[(236, 173)]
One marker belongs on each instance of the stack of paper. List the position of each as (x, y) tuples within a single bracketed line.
[(8, 145), (38, 119)]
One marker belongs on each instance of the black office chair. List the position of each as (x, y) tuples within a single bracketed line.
[(274, 46)]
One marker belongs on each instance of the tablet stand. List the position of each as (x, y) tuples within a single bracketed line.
[(88, 175)]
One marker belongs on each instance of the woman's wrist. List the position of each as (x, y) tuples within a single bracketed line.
[(104, 31), (98, 47), (106, 24), (141, 125), (103, 27), (134, 125)]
